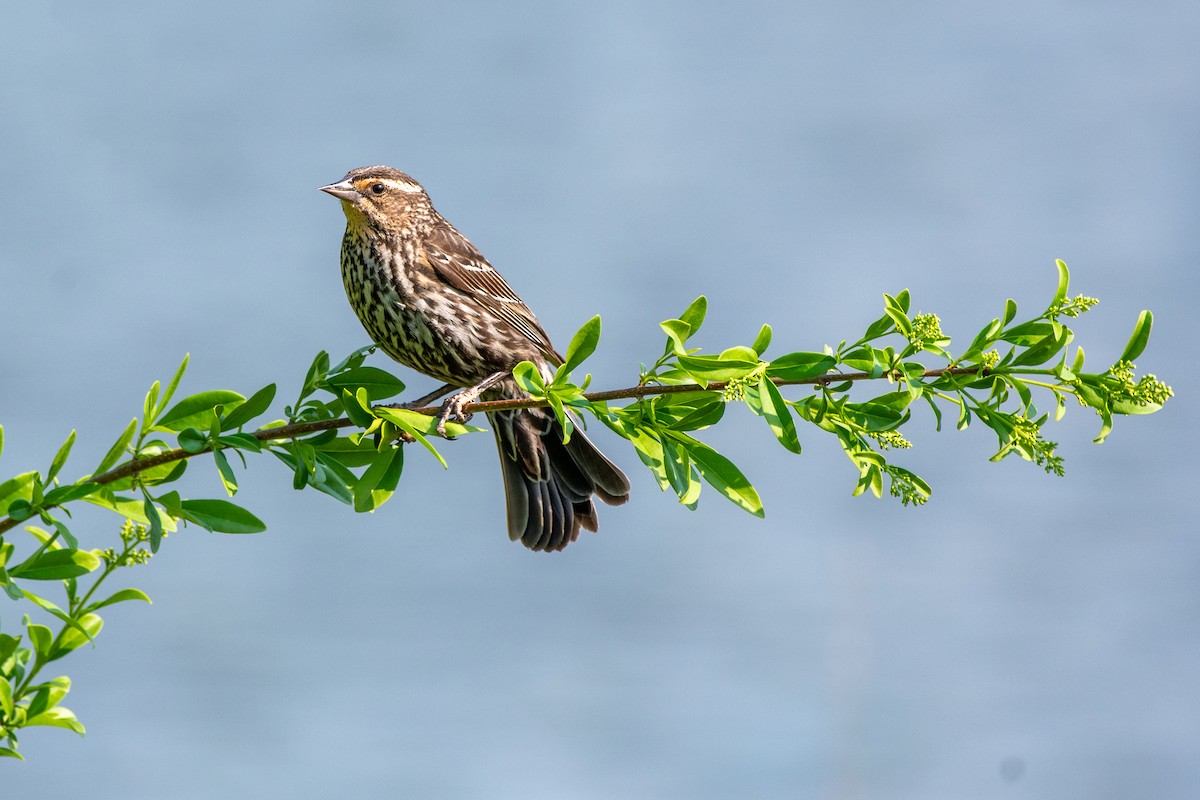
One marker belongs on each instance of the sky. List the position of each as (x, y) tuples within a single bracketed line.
[(1021, 635)]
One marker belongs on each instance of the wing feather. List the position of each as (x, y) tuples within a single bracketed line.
[(456, 261)]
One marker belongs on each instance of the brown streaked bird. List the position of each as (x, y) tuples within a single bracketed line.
[(432, 302)]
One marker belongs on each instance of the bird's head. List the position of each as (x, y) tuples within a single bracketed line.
[(378, 197)]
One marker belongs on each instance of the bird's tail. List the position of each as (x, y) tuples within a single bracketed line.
[(549, 485)]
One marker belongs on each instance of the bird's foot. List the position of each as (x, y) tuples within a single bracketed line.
[(455, 407)]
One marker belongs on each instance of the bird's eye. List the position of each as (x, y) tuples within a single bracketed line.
[(378, 188)]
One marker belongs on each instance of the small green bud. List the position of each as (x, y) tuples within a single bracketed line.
[(1072, 308), (889, 440), (904, 487)]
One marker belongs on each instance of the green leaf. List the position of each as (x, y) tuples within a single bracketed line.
[(228, 478), (48, 695), (874, 416), (1, 439), (897, 313), (678, 470), (20, 510), (379, 480), (349, 453), (41, 638), (172, 386), (982, 339), (937, 411), (221, 516), (257, 403), (529, 378), (129, 507), (10, 588), (73, 639), (1077, 365), (677, 332), (1141, 335), (1029, 334), (879, 327), (776, 412), (690, 411), (762, 341), (865, 359), (1134, 409), (214, 423), (60, 458), (57, 717), (358, 407), (870, 477), (800, 366), (8, 646), (6, 693), (65, 533), (17, 488), (1092, 392), (583, 343), (245, 441), (739, 353), (53, 565), (122, 596), (115, 452), (1010, 311), (1106, 425), (1047, 348), (154, 521), (196, 411), (648, 446), (898, 400), (720, 473), (560, 413), (335, 479), (380, 384), (316, 372), (694, 314), (192, 441), (354, 360), (964, 417), (1064, 281), (150, 404), (61, 495), (45, 604), (705, 369)]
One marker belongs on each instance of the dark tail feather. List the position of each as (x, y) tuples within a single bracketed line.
[(549, 485)]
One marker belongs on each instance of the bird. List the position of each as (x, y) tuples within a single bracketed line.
[(430, 300)]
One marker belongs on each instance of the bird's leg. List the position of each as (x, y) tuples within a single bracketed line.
[(421, 402), (453, 407)]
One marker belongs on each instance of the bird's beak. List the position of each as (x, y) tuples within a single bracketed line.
[(342, 190)]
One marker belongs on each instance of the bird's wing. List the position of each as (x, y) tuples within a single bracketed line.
[(456, 261)]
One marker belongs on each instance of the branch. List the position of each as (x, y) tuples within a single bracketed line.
[(297, 430)]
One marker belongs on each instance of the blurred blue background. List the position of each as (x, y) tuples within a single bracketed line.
[(1020, 636)]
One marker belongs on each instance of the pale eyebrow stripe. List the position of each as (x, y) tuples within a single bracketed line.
[(404, 186)]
